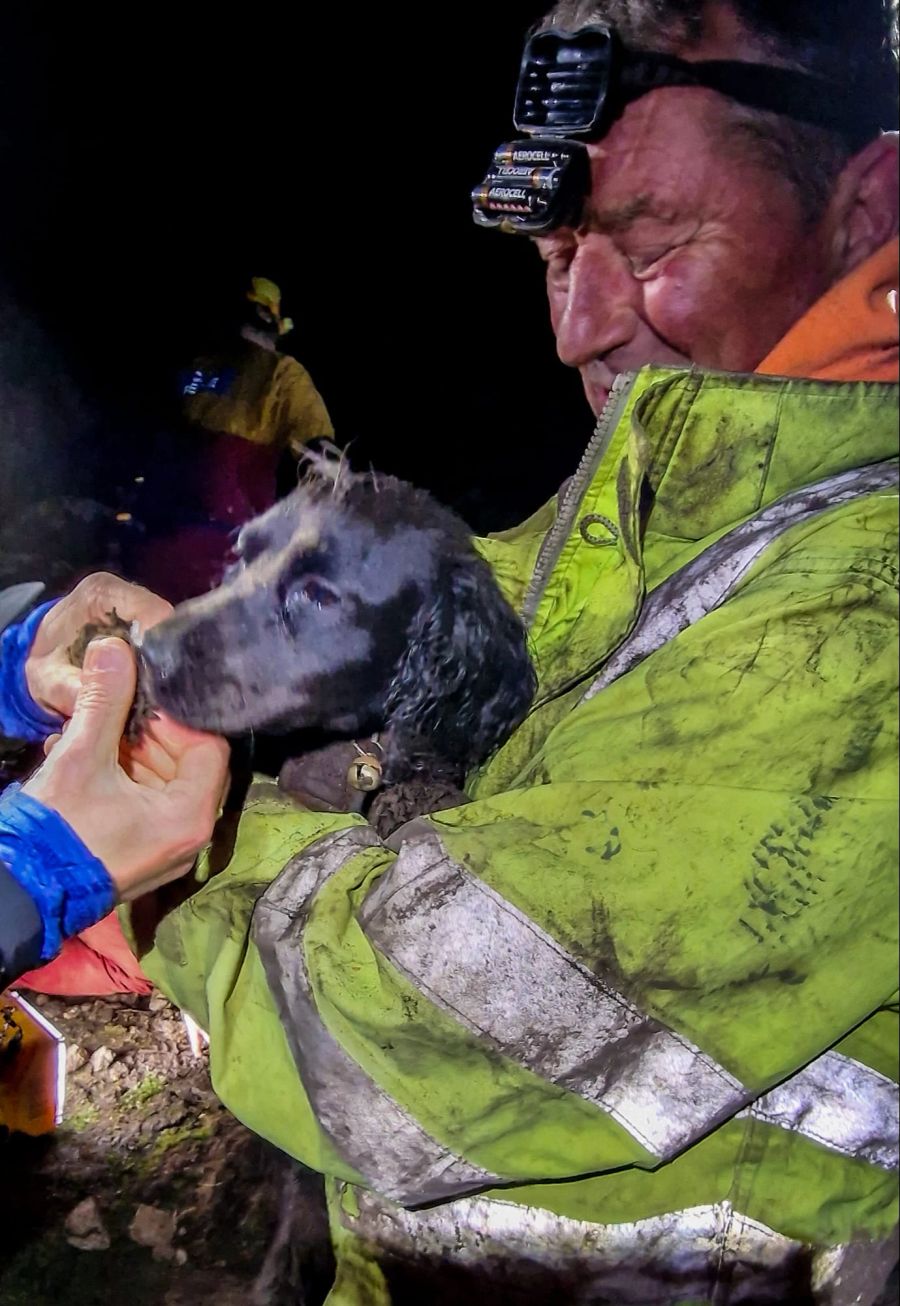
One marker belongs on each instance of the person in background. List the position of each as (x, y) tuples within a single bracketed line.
[(245, 406)]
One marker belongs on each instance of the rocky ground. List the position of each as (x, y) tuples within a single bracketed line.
[(149, 1191)]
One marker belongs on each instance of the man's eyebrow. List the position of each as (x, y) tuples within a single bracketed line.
[(609, 221)]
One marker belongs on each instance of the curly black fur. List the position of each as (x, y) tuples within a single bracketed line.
[(465, 680)]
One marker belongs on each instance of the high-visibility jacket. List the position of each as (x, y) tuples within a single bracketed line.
[(260, 395), (624, 1027)]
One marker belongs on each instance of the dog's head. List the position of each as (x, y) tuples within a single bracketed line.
[(357, 603)]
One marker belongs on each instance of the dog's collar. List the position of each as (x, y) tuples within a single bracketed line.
[(365, 772)]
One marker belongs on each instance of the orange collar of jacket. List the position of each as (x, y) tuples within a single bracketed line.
[(851, 333)]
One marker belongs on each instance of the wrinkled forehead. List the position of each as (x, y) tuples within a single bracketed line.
[(647, 150)]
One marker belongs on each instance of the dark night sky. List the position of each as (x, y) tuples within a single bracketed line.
[(154, 160)]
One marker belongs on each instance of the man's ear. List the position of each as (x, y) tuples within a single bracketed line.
[(863, 211)]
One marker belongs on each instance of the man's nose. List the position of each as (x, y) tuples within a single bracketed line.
[(596, 310)]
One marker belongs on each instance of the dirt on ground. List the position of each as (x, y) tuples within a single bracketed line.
[(149, 1191)]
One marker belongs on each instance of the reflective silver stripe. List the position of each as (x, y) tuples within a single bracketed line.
[(707, 1253), (657, 1261), (470, 1225), (841, 1104), (366, 1125), (478, 957), (703, 584), (495, 971)]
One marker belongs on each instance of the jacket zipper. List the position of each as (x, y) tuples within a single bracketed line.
[(568, 507)]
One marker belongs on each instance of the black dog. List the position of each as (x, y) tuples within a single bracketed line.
[(358, 604)]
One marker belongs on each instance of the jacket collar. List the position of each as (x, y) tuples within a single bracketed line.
[(850, 334), (716, 447)]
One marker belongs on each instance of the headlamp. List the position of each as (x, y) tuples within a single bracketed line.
[(574, 84)]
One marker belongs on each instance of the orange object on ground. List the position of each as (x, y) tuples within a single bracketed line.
[(95, 962), (32, 1068)]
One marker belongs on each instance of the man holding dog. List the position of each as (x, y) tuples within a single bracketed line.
[(623, 1027)]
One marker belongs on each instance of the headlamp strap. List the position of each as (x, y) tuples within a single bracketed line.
[(574, 83), (801, 96)]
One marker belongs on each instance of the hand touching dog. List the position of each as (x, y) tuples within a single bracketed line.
[(146, 811), (53, 680)]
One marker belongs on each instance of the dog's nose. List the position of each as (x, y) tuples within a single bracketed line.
[(180, 655), (159, 655)]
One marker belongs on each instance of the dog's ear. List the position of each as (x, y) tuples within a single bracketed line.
[(465, 681)]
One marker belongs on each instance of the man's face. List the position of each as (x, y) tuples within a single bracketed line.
[(689, 251)]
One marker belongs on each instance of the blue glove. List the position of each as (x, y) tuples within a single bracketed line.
[(20, 716)]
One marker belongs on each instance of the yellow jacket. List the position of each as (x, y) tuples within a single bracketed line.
[(260, 395)]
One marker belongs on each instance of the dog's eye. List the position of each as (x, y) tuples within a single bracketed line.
[(313, 592)]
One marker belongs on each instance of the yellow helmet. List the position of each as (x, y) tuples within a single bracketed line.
[(268, 296)]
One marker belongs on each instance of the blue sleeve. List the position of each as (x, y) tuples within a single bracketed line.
[(20, 716), (21, 932), (68, 885)]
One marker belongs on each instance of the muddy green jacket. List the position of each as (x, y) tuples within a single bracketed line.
[(625, 1025)]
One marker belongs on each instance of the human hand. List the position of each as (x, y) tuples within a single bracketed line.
[(147, 820), (53, 681)]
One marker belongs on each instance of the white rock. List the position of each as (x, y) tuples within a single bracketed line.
[(153, 1227), (102, 1059), (75, 1058), (85, 1229)]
